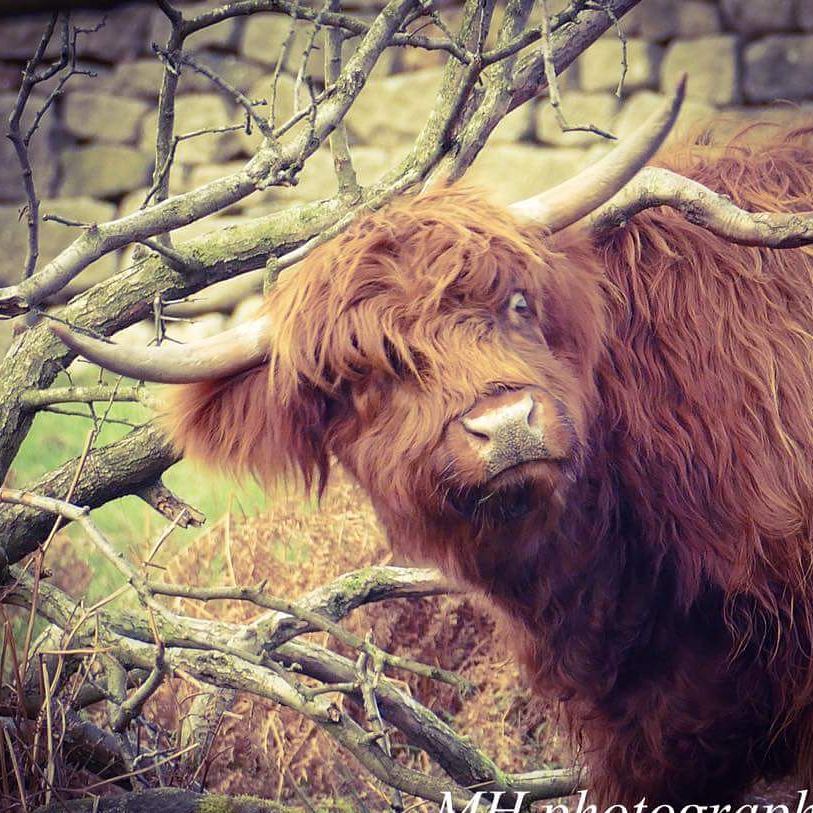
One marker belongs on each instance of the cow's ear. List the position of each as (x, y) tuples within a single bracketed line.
[(242, 424)]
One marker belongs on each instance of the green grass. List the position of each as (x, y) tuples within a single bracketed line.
[(129, 522)]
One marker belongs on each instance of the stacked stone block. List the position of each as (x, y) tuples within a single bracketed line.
[(93, 153)]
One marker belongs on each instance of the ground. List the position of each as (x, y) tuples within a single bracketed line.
[(297, 544)]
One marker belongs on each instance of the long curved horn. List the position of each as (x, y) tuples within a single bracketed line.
[(578, 196), (223, 355)]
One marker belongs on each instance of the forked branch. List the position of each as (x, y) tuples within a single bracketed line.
[(128, 638), (654, 187)]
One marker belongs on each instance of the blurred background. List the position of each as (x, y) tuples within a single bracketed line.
[(93, 155)]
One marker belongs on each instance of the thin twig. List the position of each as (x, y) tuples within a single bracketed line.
[(339, 148), (20, 143), (175, 259), (622, 38), (554, 96), (67, 221), (302, 72), (368, 678), (68, 59), (282, 59), (239, 98), (162, 173), (76, 414)]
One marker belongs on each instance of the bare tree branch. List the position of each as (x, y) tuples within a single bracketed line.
[(168, 505), (112, 471), (165, 124), (343, 595), (339, 149), (495, 100), (553, 85), (368, 677), (572, 33), (314, 620), (654, 186), (36, 399), (268, 167), (351, 26), (20, 142)]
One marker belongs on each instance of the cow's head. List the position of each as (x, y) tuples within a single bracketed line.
[(443, 353), (442, 349)]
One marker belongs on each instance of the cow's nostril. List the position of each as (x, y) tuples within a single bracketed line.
[(513, 417), (471, 427)]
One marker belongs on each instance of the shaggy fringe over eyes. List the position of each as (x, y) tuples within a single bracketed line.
[(374, 299), (373, 305)]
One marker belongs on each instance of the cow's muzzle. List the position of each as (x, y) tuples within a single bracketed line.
[(511, 428)]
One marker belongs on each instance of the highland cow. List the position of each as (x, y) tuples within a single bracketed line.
[(607, 429)]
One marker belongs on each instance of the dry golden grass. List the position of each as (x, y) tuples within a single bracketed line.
[(263, 749)]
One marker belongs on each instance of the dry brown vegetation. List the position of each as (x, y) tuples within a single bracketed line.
[(263, 749), (266, 750)]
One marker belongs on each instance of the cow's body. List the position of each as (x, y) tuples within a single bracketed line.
[(656, 567), (701, 552)]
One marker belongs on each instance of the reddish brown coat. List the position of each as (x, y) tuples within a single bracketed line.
[(659, 581)]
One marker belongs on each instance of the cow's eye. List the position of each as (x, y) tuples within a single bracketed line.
[(518, 303)]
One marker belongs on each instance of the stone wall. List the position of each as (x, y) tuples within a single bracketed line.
[(92, 154)]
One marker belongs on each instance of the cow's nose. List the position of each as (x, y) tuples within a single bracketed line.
[(509, 418), (506, 435)]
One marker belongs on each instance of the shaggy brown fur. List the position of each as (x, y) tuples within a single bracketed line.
[(659, 579)]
